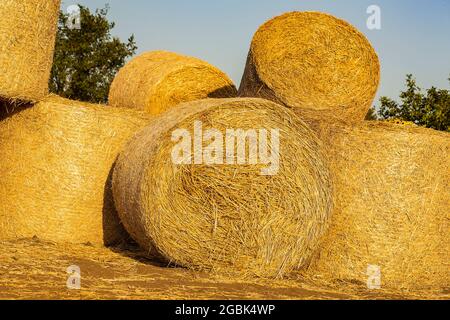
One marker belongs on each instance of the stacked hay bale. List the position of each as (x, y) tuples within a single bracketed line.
[(55, 160), (391, 182), (313, 61), (27, 41), (224, 216), (158, 80), (392, 210)]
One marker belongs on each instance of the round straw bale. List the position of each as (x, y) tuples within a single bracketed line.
[(392, 209), (27, 40), (55, 160), (158, 80), (226, 218), (313, 60)]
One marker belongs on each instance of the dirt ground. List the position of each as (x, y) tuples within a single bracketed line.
[(35, 269)]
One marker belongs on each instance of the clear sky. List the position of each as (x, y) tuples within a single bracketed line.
[(414, 36)]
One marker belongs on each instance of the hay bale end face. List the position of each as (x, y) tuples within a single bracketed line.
[(55, 160), (392, 210), (315, 61), (225, 217), (27, 40), (158, 80)]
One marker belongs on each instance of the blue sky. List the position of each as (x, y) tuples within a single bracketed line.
[(414, 38)]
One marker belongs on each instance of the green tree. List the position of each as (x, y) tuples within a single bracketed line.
[(431, 110), (87, 59)]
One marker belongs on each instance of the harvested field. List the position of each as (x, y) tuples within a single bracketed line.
[(34, 269)]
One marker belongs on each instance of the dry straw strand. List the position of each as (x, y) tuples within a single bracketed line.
[(392, 206), (312, 60), (228, 219), (158, 80), (55, 160), (27, 40)]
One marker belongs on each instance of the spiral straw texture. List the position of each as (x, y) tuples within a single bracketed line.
[(225, 218), (313, 60)]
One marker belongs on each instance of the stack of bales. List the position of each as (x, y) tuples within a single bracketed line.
[(391, 183), (209, 216), (57, 155), (345, 194), (225, 218)]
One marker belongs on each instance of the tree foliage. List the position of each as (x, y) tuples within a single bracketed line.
[(87, 59), (372, 114), (430, 109)]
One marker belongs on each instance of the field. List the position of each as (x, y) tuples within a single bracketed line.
[(35, 269)]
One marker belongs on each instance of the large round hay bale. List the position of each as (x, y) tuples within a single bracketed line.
[(313, 60), (27, 40), (158, 80), (392, 209), (55, 160), (226, 218)]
